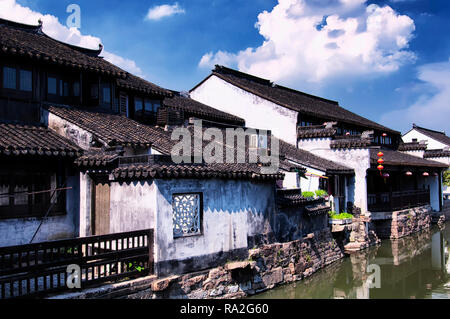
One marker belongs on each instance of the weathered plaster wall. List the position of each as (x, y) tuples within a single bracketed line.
[(232, 212), (292, 223), (132, 206), (257, 112), (19, 231), (68, 130)]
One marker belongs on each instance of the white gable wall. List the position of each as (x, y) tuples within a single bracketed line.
[(257, 112), (432, 144)]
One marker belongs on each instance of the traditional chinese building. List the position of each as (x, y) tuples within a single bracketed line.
[(327, 130)]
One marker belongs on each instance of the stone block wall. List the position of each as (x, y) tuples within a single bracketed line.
[(404, 222)]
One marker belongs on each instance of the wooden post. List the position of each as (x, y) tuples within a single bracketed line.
[(150, 243)]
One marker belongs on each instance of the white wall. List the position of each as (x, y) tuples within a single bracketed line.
[(432, 144), (432, 183), (356, 158), (257, 112), (311, 183), (232, 211)]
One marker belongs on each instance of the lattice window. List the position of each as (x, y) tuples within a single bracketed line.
[(186, 214)]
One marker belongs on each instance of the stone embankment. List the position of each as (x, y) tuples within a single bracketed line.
[(268, 266), (405, 222)]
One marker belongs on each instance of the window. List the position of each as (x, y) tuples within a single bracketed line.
[(138, 107), (106, 94), (51, 85), (94, 91), (24, 194), (76, 89), (186, 209), (26, 80), (63, 88), (253, 141), (414, 139), (9, 78), (151, 106)]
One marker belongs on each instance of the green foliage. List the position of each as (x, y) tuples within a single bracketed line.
[(446, 179), (321, 193), (308, 194), (343, 215)]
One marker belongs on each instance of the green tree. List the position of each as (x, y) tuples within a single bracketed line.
[(447, 177)]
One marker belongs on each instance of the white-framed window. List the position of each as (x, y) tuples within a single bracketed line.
[(186, 211)]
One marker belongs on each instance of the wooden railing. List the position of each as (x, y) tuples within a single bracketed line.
[(387, 202), (35, 270)]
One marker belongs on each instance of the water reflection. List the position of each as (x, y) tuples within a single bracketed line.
[(414, 267)]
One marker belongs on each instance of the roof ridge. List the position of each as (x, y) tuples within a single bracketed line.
[(427, 129), (20, 25), (225, 70), (306, 94)]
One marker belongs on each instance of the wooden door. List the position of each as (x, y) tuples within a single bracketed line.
[(101, 216)]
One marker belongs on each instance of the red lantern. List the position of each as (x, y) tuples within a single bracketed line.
[(386, 175), (380, 161), (384, 134), (380, 154), (425, 174), (380, 167), (408, 174)]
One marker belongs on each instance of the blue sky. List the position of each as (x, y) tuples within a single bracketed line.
[(394, 68)]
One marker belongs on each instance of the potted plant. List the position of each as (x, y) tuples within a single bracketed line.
[(340, 219)]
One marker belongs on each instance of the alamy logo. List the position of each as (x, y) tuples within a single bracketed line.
[(73, 276), (374, 280), (74, 19)]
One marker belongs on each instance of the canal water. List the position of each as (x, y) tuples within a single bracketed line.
[(417, 266)]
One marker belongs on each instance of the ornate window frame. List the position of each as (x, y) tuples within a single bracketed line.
[(194, 219)]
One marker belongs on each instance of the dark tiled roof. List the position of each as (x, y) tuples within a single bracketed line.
[(438, 136), (295, 100), (412, 146), (436, 153), (350, 142), (317, 209), (196, 108), (300, 156), (397, 158), (293, 197), (135, 83), (34, 140), (161, 166), (115, 129), (98, 158), (31, 42), (315, 131)]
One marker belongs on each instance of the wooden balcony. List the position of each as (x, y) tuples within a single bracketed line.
[(388, 202)]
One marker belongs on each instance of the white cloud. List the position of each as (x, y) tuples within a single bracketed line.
[(11, 10), (162, 11), (432, 108), (357, 39)]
